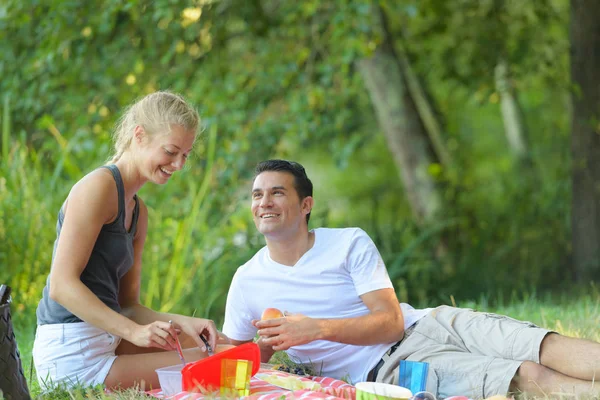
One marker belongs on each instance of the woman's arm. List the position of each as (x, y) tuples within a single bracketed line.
[(93, 202)]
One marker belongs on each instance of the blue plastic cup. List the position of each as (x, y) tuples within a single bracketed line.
[(413, 375)]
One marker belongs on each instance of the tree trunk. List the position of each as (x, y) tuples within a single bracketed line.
[(406, 134), (424, 106), (404, 131), (585, 139), (511, 112)]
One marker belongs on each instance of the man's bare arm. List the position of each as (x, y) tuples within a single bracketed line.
[(384, 324)]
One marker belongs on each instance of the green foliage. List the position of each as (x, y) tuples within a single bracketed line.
[(26, 249), (278, 79), (466, 39)]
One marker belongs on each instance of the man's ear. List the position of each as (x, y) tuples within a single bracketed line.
[(307, 204)]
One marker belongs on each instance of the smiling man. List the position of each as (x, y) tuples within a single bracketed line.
[(343, 317), (323, 273)]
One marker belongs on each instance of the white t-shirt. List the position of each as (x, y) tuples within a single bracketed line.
[(326, 282)]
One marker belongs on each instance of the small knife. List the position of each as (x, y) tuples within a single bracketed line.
[(208, 348)]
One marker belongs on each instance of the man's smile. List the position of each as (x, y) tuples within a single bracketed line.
[(268, 215)]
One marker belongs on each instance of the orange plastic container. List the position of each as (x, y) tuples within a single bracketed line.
[(206, 373)]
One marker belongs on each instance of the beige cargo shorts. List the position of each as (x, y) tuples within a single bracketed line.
[(470, 353)]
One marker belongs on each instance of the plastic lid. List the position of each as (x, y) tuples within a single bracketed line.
[(206, 373)]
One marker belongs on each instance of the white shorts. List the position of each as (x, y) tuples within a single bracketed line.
[(71, 354)]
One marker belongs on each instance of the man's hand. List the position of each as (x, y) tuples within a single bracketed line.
[(291, 330)]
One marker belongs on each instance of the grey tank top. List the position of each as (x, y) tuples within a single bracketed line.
[(111, 258)]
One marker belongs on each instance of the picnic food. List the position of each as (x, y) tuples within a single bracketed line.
[(270, 313), (290, 382), (297, 369)]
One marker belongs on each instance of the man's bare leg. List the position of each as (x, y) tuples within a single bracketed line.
[(537, 379), (577, 358)]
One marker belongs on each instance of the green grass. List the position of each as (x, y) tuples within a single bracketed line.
[(577, 316)]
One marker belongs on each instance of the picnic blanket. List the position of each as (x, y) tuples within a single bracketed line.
[(331, 389)]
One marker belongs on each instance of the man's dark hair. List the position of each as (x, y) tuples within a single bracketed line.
[(302, 184)]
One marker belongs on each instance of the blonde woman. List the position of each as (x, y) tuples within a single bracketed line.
[(92, 328)]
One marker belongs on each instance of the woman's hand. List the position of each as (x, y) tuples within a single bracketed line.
[(194, 327), (157, 334)]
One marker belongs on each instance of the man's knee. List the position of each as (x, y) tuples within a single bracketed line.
[(527, 375), (550, 340), (548, 346)]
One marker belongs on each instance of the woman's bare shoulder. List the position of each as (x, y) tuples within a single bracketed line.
[(96, 191)]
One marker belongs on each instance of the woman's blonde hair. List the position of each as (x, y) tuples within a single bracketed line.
[(155, 113)]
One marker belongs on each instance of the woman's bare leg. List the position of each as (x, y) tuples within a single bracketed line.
[(131, 370), (137, 365)]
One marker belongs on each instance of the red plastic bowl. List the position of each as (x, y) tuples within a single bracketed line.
[(206, 373)]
